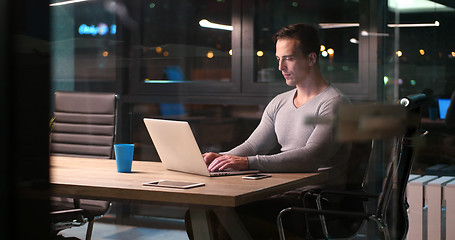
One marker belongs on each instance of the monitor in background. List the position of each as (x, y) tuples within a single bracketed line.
[(443, 104)]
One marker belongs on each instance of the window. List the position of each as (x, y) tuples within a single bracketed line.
[(424, 49), (339, 28), (420, 57), (338, 22), (184, 46), (182, 41), (84, 46)]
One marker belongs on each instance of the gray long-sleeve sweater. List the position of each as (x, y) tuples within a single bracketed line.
[(304, 147)]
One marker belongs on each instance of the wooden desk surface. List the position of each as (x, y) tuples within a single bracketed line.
[(99, 179)]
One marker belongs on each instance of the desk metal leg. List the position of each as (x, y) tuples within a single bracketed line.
[(201, 224), (232, 223)]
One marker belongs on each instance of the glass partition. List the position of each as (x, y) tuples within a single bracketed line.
[(212, 62)]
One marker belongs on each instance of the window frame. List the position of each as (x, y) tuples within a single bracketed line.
[(243, 85)]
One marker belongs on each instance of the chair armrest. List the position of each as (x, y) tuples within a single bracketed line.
[(334, 196), (67, 215), (339, 193), (325, 212), (359, 194), (362, 215)]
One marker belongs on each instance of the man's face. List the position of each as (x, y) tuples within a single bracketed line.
[(291, 62)]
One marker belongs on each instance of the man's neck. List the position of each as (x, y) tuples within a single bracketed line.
[(310, 88)]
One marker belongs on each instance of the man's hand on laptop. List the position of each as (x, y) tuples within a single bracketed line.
[(210, 156), (217, 162)]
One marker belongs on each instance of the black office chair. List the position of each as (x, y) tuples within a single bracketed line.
[(83, 126), (358, 163), (391, 199)]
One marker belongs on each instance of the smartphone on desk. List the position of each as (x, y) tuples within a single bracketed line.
[(256, 176)]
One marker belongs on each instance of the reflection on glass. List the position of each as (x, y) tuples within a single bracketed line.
[(184, 41), (83, 45), (419, 50), (339, 30), (419, 59)]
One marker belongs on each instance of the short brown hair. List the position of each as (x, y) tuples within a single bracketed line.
[(306, 34)]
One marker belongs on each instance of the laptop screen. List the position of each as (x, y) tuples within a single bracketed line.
[(443, 106)]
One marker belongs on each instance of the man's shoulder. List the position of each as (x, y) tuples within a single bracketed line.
[(287, 93), (333, 93), (280, 100), (284, 96), (332, 90)]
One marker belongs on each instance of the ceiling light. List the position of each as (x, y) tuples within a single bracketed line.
[(373, 34), (66, 2), (207, 24), (337, 25), (415, 6), (435, 24)]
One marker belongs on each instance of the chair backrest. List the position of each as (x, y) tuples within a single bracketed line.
[(358, 165), (84, 124), (392, 205)]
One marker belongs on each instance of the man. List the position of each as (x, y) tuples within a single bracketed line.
[(303, 147)]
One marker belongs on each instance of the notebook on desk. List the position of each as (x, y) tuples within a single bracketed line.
[(177, 148)]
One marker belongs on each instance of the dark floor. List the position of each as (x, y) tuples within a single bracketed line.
[(150, 222), (107, 231), (142, 227)]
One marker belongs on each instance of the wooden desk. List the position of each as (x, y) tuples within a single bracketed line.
[(99, 179)]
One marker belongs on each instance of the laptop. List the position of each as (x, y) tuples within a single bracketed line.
[(178, 150)]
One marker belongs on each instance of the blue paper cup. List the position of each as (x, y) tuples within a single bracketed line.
[(124, 157)]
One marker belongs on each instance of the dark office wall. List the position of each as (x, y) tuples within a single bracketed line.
[(5, 191), (24, 107)]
